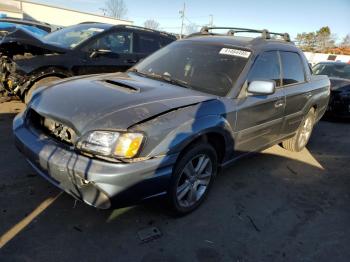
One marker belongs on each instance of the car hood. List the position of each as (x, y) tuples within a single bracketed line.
[(111, 101), (21, 41), (339, 84)]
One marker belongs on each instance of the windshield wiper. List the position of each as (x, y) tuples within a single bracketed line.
[(165, 77), (134, 70)]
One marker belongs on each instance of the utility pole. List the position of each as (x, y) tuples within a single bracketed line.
[(182, 13), (211, 20)]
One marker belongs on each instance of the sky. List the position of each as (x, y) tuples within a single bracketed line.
[(292, 16)]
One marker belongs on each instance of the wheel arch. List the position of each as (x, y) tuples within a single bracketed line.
[(44, 72), (215, 139)]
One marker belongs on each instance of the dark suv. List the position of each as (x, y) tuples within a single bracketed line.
[(167, 125), (89, 48)]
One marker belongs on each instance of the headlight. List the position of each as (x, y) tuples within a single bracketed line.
[(111, 144)]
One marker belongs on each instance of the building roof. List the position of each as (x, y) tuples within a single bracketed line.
[(73, 10), (9, 8)]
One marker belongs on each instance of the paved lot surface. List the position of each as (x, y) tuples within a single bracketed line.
[(274, 206)]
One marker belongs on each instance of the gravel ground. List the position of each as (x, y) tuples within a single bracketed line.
[(273, 206)]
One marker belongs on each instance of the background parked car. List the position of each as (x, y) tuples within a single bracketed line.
[(339, 75), (28, 62)]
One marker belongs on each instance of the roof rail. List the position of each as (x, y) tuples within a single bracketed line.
[(233, 30), (90, 22), (148, 29)]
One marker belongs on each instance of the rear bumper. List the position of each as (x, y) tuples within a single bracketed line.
[(98, 183)]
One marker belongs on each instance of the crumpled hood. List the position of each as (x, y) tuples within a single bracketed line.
[(338, 84), (20, 41), (111, 101)]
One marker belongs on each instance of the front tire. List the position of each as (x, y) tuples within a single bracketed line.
[(301, 138), (192, 178), (44, 81)]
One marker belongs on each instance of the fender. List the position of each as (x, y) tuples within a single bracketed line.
[(171, 132), (186, 133)]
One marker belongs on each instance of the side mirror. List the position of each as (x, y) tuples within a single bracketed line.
[(99, 52), (261, 87)]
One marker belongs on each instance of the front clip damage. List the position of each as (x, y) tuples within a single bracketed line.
[(14, 50)]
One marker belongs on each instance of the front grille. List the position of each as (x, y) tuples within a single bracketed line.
[(51, 127)]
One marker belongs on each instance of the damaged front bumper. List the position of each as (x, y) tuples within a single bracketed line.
[(10, 80), (96, 182)]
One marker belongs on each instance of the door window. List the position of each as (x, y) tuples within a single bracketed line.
[(292, 67), (266, 67), (148, 43), (116, 42)]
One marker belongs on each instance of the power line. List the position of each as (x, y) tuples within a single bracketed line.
[(163, 18), (170, 27), (189, 20)]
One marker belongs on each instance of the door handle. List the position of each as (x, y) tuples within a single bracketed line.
[(279, 103)]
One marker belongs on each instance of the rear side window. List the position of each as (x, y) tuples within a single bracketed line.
[(292, 67), (148, 43), (266, 67)]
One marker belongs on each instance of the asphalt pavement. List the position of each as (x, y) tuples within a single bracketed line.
[(273, 206)]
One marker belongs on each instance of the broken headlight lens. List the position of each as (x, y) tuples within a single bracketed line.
[(111, 144)]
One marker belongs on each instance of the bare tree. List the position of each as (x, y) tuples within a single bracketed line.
[(191, 28), (151, 24), (116, 8), (346, 41)]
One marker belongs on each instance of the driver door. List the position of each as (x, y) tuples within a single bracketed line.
[(260, 117), (111, 52)]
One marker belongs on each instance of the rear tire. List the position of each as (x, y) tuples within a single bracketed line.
[(192, 178), (302, 136), (36, 85)]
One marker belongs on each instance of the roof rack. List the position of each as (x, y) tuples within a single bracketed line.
[(265, 34)]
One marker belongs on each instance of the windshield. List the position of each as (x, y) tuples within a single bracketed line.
[(333, 70), (203, 67), (72, 36)]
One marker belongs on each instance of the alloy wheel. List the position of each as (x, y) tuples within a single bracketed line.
[(194, 180), (305, 132)]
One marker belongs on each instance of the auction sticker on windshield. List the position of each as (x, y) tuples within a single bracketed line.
[(94, 29), (235, 52)]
